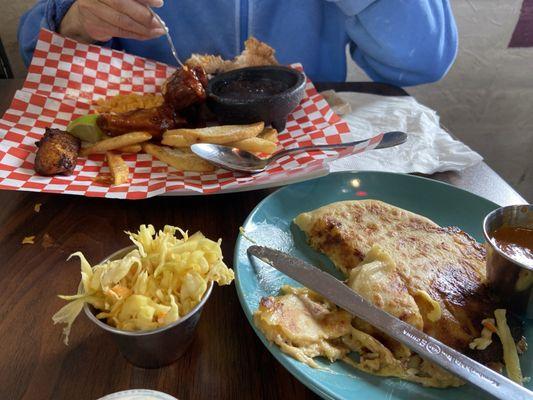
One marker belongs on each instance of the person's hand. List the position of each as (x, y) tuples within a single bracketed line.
[(100, 20)]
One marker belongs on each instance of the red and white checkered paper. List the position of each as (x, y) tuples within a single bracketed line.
[(64, 80)]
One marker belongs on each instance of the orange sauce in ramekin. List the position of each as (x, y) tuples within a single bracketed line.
[(515, 242)]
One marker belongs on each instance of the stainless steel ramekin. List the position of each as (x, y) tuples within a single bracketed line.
[(511, 279), (157, 347)]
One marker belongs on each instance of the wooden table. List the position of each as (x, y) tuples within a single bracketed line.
[(226, 361)]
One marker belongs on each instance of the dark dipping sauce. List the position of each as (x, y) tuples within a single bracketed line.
[(516, 243), (245, 89)]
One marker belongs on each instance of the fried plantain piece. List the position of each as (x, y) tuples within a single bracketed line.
[(57, 153)]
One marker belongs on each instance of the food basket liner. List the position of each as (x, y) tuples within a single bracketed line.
[(65, 79)]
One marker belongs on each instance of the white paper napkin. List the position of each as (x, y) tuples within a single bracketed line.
[(428, 149)]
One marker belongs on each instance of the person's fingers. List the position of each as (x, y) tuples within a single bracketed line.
[(135, 10), (101, 30), (122, 22), (151, 3)]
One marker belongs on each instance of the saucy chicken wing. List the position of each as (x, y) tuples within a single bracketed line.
[(152, 120), (185, 87)]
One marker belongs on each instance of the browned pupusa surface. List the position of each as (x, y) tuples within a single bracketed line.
[(446, 263)]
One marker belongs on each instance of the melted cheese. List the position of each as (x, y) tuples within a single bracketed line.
[(303, 326), (377, 359), (510, 354), (378, 280), (485, 340), (306, 326), (435, 312)]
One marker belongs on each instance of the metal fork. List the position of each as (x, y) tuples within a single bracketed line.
[(169, 39)]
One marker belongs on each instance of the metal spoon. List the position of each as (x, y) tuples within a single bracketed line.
[(167, 34), (234, 159)]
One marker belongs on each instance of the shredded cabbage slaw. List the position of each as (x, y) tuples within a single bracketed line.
[(153, 285)]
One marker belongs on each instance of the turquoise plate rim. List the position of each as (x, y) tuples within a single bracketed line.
[(316, 386)]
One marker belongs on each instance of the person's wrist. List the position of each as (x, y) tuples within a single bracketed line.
[(72, 27)]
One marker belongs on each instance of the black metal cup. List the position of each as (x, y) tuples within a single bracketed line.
[(272, 109), (511, 279), (158, 347)]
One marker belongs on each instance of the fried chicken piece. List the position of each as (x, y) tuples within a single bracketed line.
[(255, 53), (211, 64), (152, 120), (57, 153)]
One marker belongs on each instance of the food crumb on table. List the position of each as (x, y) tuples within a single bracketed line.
[(48, 241), (37, 207), (29, 240)]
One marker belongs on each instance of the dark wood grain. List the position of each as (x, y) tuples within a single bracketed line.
[(226, 360)]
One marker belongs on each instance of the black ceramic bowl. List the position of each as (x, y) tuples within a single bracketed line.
[(255, 94)]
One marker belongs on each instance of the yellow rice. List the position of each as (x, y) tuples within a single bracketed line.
[(128, 102)]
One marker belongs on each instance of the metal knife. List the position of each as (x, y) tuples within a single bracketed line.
[(424, 345)]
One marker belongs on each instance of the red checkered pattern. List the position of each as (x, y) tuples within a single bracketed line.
[(64, 79)]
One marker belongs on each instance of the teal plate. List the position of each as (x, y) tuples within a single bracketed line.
[(270, 224)]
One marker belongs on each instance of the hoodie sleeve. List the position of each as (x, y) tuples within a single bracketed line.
[(45, 14), (402, 42)]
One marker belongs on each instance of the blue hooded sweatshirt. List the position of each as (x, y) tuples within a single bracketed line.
[(402, 42)]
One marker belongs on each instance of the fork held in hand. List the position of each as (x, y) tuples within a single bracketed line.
[(167, 34)]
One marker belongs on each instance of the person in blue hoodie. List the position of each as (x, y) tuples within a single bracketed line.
[(402, 42)]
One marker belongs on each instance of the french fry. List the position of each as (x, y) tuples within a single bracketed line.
[(255, 145), (134, 148), (186, 150), (215, 134), (118, 168), (176, 140), (116, 142), (178, 159), (269, 134)]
